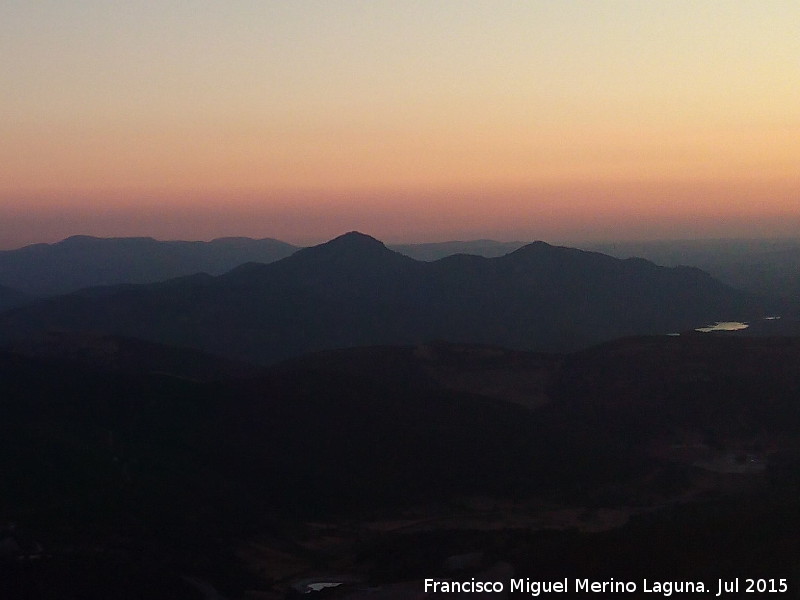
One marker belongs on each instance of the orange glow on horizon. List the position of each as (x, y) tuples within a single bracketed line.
[(424, 121), (569, 211)]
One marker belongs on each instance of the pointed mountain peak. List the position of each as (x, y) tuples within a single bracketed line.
[(350, 244), (348, 253), (76, 240), (536, 247), (352, 250), (354, 239)]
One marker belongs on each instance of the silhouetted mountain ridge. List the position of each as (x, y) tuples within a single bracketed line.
[(350, 254), (353, 291), (764, 266), (85, 261)]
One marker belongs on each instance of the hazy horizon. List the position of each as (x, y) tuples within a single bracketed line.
[(442, 240), (411, 121)]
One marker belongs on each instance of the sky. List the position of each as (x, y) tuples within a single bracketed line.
[(410, 120)]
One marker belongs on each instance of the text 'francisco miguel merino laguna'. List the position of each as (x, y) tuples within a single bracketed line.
[(536, 588)]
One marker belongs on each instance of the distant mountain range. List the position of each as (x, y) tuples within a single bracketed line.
[(437, 250), (764, 266), (354, 291), (767, 267), (84, 261)]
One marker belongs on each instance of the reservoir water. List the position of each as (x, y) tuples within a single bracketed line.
[(724, 326)]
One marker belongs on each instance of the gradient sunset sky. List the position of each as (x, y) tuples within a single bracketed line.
[(411, 120)]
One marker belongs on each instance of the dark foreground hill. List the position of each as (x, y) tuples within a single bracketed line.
[(84, 261), (383, 461), (131, 355), (353, 291)]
